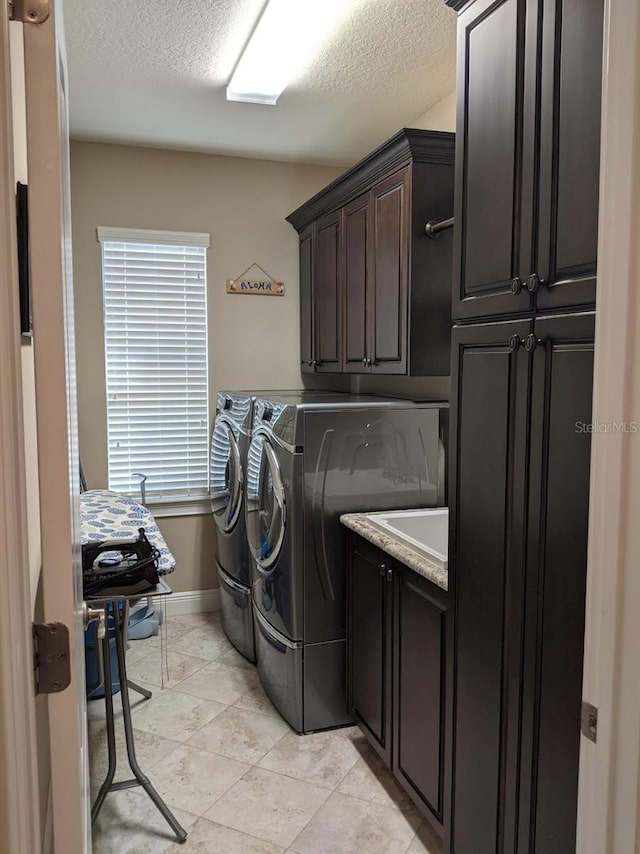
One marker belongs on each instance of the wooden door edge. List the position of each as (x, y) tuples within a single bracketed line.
[(19, 804), (609, 789)]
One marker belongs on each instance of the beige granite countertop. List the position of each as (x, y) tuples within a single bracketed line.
[(359, 524)]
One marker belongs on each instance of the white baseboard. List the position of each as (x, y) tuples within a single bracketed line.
[(47, 831), (193, 602)]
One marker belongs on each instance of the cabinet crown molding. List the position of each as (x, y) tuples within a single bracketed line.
[(407, 146)]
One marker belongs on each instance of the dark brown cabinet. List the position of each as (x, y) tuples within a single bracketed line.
[(392, 282), (389, 273), (525, 241), (419, 618), (376, 258), (356, 218), (321, 295), (528, 142), (397, 631), (569, 165), (556, 548), (327, 292), (519, 486), (307, 337), (370, 615)]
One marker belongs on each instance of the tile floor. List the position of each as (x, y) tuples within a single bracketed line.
[(235, 774)]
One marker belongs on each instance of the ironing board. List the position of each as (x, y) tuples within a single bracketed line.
[(105, 515)]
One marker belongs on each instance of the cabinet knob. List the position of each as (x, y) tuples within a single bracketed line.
[(533, 283), (313, 363), (364, 363), (531, 342), (516, 285), (383, 568), (514, 343), (389, 575)]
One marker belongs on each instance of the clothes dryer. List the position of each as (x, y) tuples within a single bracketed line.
[(310, 460)]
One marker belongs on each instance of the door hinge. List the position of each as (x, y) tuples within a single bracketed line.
[(589, 721), (29, 11), (51, 660)]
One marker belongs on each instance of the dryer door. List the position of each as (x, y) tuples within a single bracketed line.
[(266, 502), (225, 476)]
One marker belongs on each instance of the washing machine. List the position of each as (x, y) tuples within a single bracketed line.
[(228, 454), (311, 459), (229, 445)]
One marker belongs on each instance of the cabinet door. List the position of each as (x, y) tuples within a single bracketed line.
[(488, 184), (490, 375), (571, 80), (355, 242), (327, 292), (419, 668), (389, 274), (370, 639), (557, 566), (306, 300)]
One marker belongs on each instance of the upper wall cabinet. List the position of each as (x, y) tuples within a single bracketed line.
[(527, 157), (375, 291)]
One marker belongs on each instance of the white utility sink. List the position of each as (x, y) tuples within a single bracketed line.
[(425, 531)]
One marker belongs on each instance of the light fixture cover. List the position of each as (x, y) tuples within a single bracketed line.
[(285, 39)]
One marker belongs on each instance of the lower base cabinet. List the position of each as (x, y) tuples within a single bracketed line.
[(397, 630)]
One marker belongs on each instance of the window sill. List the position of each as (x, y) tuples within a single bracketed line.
[(180, 506)]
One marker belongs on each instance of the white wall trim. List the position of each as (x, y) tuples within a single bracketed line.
[(47, 833), (144, 235), (169, 507), (609, 770), (193, 602)]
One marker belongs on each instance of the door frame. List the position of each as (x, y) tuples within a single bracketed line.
[(19, 803), (57, 434), (608, 805)]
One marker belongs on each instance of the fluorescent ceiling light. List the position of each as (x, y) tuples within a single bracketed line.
[(284, 40)]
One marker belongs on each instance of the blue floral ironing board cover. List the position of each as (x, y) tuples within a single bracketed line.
[(106, 515)]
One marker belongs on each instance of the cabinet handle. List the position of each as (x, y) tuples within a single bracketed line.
[(531, 342), (533, 283), (383, 568), (516, 285), (389, 575), (514, 343)]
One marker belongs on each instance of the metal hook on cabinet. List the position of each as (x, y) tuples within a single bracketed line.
[(433, 227)]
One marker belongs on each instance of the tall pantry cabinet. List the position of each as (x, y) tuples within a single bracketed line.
[(525, 238)]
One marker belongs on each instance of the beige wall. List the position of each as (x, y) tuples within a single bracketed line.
[(442, 116), (254, 341)]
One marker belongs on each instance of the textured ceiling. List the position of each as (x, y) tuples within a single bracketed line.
[(154, 72)]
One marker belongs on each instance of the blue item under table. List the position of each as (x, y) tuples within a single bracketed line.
[(92, 662)]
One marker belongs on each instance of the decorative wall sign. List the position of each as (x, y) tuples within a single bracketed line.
[(254, 286), (267, 287)]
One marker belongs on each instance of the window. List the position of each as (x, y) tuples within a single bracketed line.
[(155, 329)]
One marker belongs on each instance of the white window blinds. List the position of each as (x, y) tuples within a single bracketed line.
[(155, 322)]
